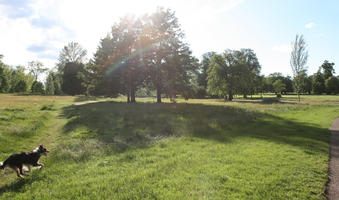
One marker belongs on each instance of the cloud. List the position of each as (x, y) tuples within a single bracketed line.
[(16, 8), (309, 25), (283, 48)]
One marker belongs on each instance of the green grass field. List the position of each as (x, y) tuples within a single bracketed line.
[(197, 149)]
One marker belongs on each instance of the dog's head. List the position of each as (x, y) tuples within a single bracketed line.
[(42, 150)]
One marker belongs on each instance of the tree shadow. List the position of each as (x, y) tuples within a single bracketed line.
[(266, 101), (124, 125)]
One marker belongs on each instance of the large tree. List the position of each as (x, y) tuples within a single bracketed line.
[(117, 64), (168, 60), (36, 68), (71, 82), (202, 74), (73, 52), (298, 62), (318, 83), (226, 75), (328, 69)]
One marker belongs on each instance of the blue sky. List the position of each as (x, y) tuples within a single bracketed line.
[(38, 29)]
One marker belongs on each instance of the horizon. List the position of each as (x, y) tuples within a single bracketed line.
[(38, 30)]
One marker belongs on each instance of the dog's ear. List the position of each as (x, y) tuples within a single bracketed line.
[(41, 146)]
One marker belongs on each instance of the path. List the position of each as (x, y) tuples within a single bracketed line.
[(333, 186)]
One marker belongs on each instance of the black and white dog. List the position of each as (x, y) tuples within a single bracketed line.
[(18, 161)]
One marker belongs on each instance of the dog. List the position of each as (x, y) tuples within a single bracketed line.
[(29, 159)]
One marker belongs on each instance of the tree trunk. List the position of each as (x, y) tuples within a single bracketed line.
[(245, 96), (133, 95), (128, 97), (230, 96), (158, 95), (298, 96)]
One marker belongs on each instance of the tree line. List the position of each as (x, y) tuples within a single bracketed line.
[(148, 56)]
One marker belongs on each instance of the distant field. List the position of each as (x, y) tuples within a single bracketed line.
[(197, 149)]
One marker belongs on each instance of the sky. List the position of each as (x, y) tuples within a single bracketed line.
[(38, 29)]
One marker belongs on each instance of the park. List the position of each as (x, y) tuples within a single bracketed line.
[(157, 108)]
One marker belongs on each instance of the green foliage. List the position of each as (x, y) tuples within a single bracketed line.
[(143, 52), (4, 82), (202, 74), (53, 85), (21, 86), (318, 83), (71, 83), (278, 86), (332, 85), (268, 82), (37, 88), (234, 72), (328, 69)]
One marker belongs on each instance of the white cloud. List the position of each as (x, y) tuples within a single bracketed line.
[(48, 25), (310, 25)]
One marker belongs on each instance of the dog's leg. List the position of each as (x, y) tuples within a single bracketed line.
[(29, 168), (21, 171), (18, 172), (40, 165)]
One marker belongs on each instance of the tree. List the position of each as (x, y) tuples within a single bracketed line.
[(306, 86), (169, 62), (117, 65), (318, 83), (278, 86), (21, 86), (298, 61), (251, 73), (53, 85), (226, 75), (36, 68), (332, 85), (37, 88), (71, 83), (218, 79), (73, 52), (18, 74), (328, 69), (202, 74), (4, 82)]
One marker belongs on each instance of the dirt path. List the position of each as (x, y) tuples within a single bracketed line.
[(333, 186)]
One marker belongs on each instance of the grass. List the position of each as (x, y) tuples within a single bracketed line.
[(196, 149)]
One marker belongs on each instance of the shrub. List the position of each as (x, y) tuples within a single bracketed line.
[(37, 88)]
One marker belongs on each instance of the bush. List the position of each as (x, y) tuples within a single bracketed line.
[(332, 85), (21, 86), (37, 88)]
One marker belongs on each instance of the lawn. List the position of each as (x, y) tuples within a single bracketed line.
[(197, 149)]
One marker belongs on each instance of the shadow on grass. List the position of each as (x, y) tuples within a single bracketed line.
[(124, 125), (273, 100), (19, 183)]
